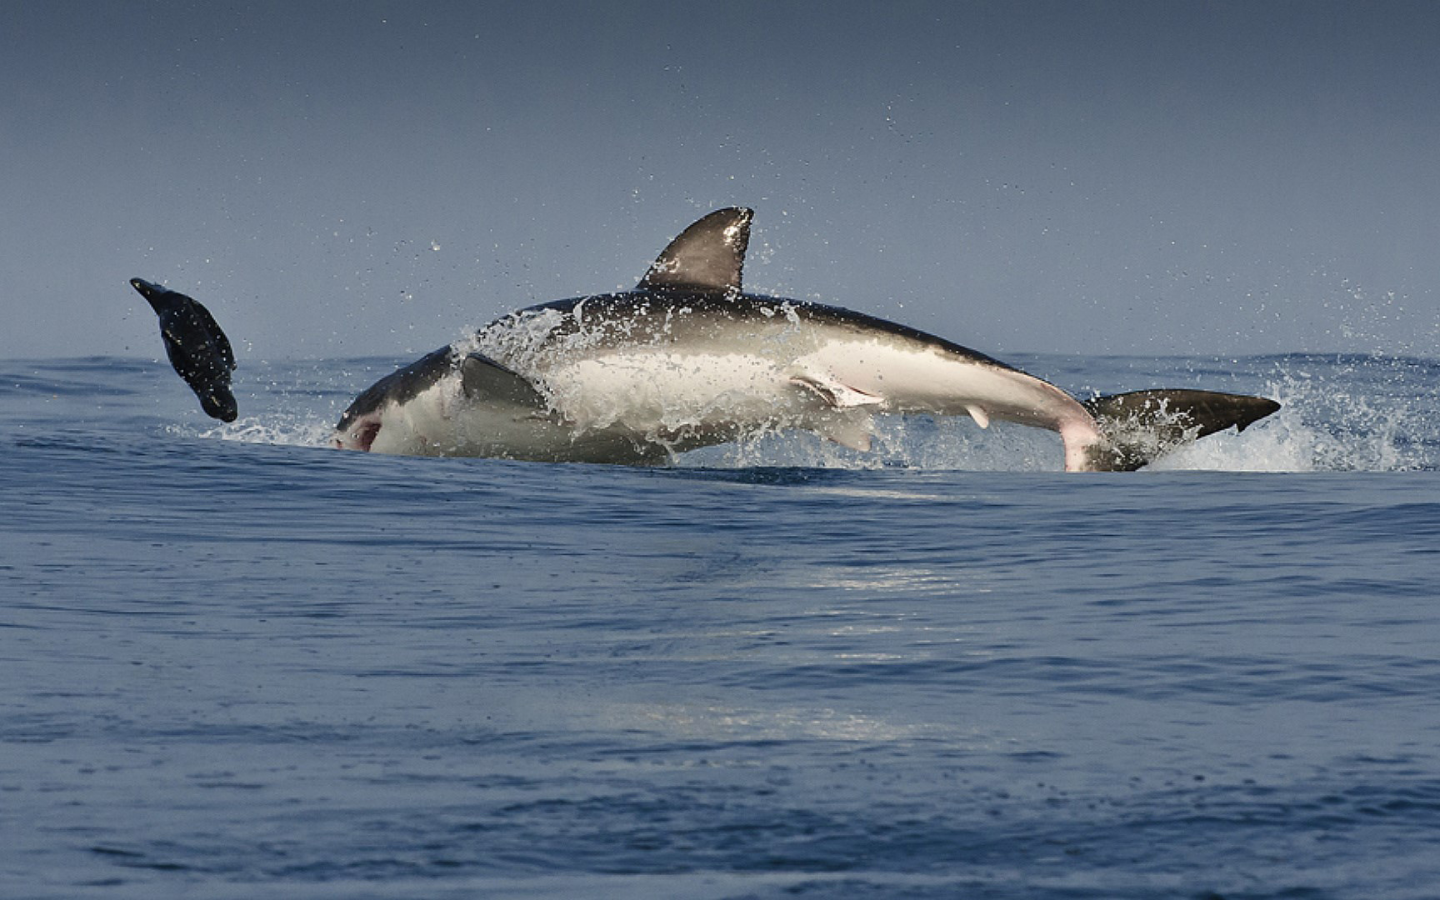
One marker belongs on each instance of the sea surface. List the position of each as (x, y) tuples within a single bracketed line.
[(235, 663)]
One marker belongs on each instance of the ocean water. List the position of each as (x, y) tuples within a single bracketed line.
[(235, 663)]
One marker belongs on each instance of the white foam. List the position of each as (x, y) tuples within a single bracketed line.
[(278, 429)]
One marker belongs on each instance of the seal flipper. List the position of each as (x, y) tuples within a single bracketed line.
[(706, 257), (1142, 425), (482, 378)]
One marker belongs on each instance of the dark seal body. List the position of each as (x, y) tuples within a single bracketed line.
[(196, 346)]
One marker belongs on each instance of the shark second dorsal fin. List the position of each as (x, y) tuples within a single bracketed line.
[(707, 256)]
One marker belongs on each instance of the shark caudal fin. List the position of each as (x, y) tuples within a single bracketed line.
[(1141, 426)]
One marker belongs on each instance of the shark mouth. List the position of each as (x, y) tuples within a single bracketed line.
[(361, 435)]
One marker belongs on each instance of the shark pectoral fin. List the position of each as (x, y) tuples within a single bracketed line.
[(853, 430), (482, 378), (979, 415), (837, 395)]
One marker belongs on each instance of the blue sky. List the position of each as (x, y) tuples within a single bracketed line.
[(362, 178)]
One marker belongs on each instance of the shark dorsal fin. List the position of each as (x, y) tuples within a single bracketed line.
[(707, 256)]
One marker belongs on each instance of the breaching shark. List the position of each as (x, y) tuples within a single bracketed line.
[(197, 348), (688, 359)]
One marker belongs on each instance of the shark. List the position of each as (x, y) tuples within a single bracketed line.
[(689, 359)]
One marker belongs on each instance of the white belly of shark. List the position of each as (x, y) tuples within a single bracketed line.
[(688, 360), (832, 383)]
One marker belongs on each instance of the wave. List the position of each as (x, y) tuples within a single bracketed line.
[(1340, 413)]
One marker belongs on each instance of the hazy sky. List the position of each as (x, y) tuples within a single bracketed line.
[(357, 178)]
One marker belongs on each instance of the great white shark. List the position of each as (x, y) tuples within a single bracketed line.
[(688, 359)]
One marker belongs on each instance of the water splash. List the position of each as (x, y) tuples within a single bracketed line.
[(1339, 414), (1365, 413), (279, 429)]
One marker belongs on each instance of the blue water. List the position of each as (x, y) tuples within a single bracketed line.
[(236, 663)]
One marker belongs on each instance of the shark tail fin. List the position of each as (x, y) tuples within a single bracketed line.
[(1141, 426)]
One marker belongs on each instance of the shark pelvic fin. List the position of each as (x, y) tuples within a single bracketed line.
[(707, 256), (853, 429), (835, 393)]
